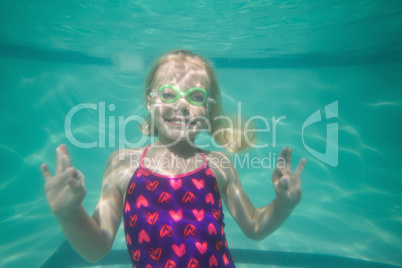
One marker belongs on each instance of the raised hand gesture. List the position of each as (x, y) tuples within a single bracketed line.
[(66, 190), (287, 183)]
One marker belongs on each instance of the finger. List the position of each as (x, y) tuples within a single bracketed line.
[(301, 165), (283, 153), (59, 166), (288, 159), (66, 162), (281, 165), (62, 159), (46, 173)]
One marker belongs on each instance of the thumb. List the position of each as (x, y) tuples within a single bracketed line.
[(46, 173)]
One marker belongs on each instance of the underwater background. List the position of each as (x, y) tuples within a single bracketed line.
[(278, 59)]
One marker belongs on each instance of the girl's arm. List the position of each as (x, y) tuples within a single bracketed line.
[(92, 237), (257, 223)]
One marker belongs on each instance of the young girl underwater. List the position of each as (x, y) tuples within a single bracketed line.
[(172, 213)]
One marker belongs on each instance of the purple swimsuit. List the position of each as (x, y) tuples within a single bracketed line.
[(175, 221)]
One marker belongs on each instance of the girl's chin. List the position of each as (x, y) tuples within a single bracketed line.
[(181, 134), (176, 131)]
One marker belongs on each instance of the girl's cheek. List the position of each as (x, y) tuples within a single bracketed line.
[(202, 110)]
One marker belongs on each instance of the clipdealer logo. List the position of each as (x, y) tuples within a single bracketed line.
[(330, 156)]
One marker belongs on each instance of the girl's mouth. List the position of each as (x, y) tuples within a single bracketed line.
[(181, 122)]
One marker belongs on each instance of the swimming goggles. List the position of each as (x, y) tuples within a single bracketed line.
[(170, 93)]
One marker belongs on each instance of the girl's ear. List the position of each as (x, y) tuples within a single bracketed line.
[(149, 100)]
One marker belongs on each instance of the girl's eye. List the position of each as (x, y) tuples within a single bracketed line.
[(197, 97), (168, 94)]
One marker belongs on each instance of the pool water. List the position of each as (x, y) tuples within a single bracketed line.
[(276, 59)]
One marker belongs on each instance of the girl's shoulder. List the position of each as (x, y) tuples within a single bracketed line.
[(216, 157), (221, 165), (127, 156), (124, 161), (120, 166)]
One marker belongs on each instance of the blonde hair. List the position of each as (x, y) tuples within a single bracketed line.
[(230, 136)]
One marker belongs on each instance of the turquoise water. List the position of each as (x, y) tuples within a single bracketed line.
[(295, 58)]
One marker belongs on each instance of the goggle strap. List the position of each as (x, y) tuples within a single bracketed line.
[(153, 94), (211, 100)]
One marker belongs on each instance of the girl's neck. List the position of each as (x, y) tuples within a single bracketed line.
[(181, 148)]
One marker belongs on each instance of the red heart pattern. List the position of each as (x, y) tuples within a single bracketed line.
[(166, 230), (127, 207), (199, 214), (218, 244), (188, 197), (151, 185), (202, 248), (155, 253), (179, 250), (176, 216), (176, 184), (209, 199), (136, 254), (216, 187), (216, 213), (133, 221), (165, 197), (170, 264), (212, 229), (198, 183), (208, 172), (213, 261), (190, 230), (193, 264), (142, 172), (131, 188), (128, 239), (141, 201), (143, 236), (225, 259), (151, 218)]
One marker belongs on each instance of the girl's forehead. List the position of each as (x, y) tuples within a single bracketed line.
[(183, 75)]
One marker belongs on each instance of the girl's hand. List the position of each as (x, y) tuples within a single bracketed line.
[(286, 183), (66, 190)]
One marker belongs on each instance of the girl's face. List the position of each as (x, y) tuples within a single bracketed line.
[(179, 120)]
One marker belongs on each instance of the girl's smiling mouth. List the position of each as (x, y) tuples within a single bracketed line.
[(180, 121)]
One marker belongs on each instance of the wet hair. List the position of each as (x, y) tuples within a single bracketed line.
[(183, 65)]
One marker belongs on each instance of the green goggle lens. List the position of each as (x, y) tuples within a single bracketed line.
[(170, 93)]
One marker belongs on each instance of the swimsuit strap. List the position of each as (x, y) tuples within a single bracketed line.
[(143, 155)]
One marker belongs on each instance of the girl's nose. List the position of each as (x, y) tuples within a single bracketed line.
[(182, 105)]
